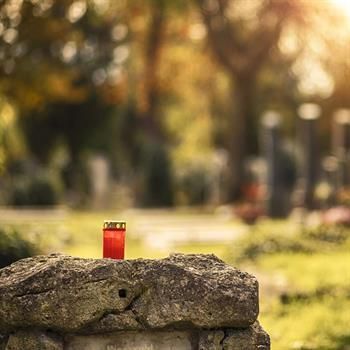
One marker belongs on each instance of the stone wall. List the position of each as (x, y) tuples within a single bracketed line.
[(183, 302)]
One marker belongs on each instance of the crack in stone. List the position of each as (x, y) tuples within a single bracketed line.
[(132, 302), (223, 338), (33, 293), (129, 307), (29, 293)]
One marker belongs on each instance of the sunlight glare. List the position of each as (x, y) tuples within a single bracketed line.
[(342, 5)]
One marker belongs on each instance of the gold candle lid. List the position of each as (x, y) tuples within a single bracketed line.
[(113, 224)]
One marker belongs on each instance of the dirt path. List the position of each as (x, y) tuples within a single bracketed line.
[(161, 229)]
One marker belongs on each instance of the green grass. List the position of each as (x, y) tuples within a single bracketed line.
[(308, 273), (315, 324), (79, 233), (305, 285), (86, 240)]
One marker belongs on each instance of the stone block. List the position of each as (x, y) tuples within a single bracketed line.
[(251, 338), (28, 340), (211, 340), (184, 302), (67, 294), (177, 340)]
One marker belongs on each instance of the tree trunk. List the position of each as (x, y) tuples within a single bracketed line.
[(242, 137), (155, 168), (150, 93)]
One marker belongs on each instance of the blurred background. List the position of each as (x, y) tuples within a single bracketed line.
[(210, 126)]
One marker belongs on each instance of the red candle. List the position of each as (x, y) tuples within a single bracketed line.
[(114, 239)]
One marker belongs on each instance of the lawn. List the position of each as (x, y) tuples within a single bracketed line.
[(86, 239), (79, 233), (305, 284), (310, 310)]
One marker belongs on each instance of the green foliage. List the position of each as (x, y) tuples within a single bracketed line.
[(158, 182), (69, 67), (13, 246), (59, 47), (62, 83), (42, 191), (37, 190), (194, 186), (259, 242), (328, 233), (274, 239)]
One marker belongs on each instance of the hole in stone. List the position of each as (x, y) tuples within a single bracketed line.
[(122, 293)]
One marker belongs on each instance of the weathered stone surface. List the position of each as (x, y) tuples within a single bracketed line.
[(211, 340), (69, 294), (26, 340), (171, 340), (3, 341), (251, 338), (111, 322)]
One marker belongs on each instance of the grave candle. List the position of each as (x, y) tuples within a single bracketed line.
[(114, 239)]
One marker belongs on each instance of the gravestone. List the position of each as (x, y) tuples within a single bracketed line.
[(272, 152), (309, 114), (187, 302), (99, 168), (341, 146)]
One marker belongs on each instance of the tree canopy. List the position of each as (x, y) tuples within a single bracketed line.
[(157, 81)]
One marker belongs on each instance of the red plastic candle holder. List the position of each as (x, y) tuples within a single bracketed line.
[(114, 239)]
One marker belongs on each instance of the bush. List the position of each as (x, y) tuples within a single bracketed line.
[(260, 242), (14, 247), (157, 172), (19, 195), (195, 184), (274, 239), (38, 190), (43, 191), (325, 233)]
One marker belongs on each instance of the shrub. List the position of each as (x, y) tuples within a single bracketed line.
[(19, 195), (43, 191), (157, 173), (13, 246), (325, 233), (274, 238), (195, 184), (260, 242), (37, 190)]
